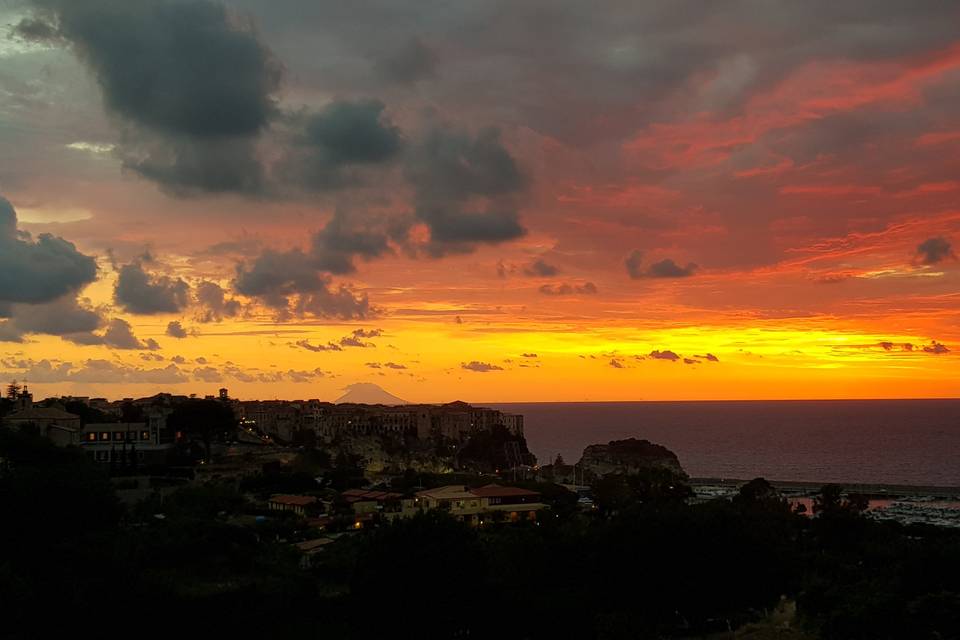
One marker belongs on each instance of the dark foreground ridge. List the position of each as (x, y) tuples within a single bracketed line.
[(245, 534)]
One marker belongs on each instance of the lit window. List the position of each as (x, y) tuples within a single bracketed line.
[(118, 435), (104, 435), (144, 435), (91, 437)]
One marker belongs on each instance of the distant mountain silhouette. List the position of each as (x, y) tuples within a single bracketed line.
[(368, 393)]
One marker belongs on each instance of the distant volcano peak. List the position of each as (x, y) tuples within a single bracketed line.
[(368, 393)]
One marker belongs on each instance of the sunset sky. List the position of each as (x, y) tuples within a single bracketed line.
[(492, 201)]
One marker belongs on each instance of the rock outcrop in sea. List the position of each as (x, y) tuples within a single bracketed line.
[(627, 457)]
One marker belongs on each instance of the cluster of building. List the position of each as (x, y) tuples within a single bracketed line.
[(148, 440), (455, 420), (474, 506)]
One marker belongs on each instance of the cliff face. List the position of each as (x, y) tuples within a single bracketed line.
[(485, 450), (627, 457), (381, 454)]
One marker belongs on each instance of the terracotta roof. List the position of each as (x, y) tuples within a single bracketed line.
[(497, 491), (358, 495), (449, 492), (312, 545), (299, 501)]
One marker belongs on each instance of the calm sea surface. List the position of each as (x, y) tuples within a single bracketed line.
[(870, 441)]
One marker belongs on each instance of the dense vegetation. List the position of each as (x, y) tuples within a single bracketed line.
[(645, 564)]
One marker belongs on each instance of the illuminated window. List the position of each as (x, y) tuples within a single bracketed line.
[(91, 437), (104, 435), (118, 436), (144, 435)]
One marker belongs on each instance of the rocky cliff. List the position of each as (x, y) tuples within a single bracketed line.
[(629, 456)]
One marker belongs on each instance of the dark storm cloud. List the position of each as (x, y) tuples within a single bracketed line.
[(480, 367), (140, 292), (934, 251), (449, 170), (566, 289), (192, 79), (407, 64), (665, 268), (41, 270), (180, 67), (541, 268), (330, 148), (189, 167), (355, 132)]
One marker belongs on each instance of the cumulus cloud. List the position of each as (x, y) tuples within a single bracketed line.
[(665, 268), (934, 251), (299, 376), (540, 268), (565, 289), (96, 372), (358, 338), (140, 292), (290, 282), (330, 346), (207, 374), (480, 367), (936, 348), (344, 238), (60, 317), (118, 335), (213, 303), (41, 270), (176, 330), (663, 355)]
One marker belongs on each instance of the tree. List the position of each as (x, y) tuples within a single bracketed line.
[(760, 494), (203, 419), (831, 502)]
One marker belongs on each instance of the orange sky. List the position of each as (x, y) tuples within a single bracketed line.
[(747, 203)]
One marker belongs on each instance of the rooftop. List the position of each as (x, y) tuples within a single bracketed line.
[(498, 491), (297, 501)]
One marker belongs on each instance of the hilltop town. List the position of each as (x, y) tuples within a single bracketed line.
[(149, 431)]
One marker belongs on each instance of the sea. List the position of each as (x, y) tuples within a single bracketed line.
[(904, 442)]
